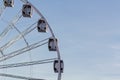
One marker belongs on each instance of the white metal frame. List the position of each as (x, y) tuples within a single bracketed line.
[(10, 26)]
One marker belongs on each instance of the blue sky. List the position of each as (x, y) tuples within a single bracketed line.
[(89, 37), (88, 34)]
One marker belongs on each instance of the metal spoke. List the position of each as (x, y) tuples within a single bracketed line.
[(10, 25), (27, 63), (24, 1), (18, 37), (23, 50), (21, 35), (19, 77)]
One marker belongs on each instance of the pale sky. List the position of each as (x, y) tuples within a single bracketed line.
[(89, 36)]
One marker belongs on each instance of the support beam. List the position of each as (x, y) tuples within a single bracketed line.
[(11, 25), (18, 77), (18, 37), (24, 1), (27, 63), (23, 50)]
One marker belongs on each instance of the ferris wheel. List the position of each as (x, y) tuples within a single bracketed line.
[(28, 45)]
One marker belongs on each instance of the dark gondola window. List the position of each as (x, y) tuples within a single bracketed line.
[(52, 45), (56, 66), (8, 3), (41, 26), (27, 10)]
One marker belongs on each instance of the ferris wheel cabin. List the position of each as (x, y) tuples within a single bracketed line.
[(41, 26), (27, 10), (8, 3), (56, 66), (52, 44)]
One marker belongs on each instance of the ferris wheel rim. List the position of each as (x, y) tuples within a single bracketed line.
[(58, 52), (51, 31)]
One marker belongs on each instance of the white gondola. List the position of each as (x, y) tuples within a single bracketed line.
[(27, 10), (52, 44), (41, 26), (8, 3), (56, 66)]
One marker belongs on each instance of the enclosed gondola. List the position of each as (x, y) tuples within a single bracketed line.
[(8, 3), (41, 25), (52, 44), (56, 66), (27, 10)]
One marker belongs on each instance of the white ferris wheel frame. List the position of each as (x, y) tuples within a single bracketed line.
[(53, 36)]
